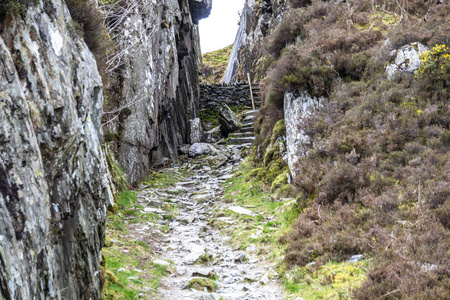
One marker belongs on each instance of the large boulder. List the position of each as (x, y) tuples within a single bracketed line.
[(198, 149), (296, 108), (407, 60), (229, 121)]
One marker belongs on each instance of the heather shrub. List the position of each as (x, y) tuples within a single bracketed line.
[(299, 3), (381, 159), (91, 24), (374, 180), (290, 27)]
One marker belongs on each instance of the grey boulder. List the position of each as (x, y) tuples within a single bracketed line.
[(198, 149), (228, 120)]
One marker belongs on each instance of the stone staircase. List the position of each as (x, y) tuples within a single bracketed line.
[(246, 134)]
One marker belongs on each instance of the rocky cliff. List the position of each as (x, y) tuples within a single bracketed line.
[(258, 19), (159, 82), (53, 185), (54, 182)]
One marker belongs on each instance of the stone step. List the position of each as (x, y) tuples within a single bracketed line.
[(242, 134), (247, 129), (248, 123), (242, 140), (250, 118), (251, 112)]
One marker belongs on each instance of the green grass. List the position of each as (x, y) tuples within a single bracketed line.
[(164, 178), (330, 281), (209, 116), (273, 222), (129, 268)]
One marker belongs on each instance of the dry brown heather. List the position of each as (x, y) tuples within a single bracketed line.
[(377, 180)]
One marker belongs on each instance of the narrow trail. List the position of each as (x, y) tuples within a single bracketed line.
[(204, 263)]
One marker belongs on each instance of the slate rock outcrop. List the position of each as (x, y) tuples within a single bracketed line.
[(406, 60), (54, 184), (296, 108), (257, 21), (160, 83)]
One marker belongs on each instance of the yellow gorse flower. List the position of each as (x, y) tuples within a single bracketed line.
[(435, 60)]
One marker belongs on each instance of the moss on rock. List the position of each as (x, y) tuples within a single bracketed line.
[(202, 283), (278, 130), (279, 181)]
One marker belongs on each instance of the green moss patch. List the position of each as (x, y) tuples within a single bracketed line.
[(202, 283), (330, 281)]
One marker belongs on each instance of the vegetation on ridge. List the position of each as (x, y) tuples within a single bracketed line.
[(214, 65)]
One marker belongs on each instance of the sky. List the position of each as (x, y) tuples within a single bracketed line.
[(219, 29)]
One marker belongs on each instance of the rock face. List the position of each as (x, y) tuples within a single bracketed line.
[(407, 60), (160, 82), (54, 188), (296, 107), (257, 21)]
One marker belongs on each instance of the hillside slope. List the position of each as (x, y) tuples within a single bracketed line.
[(214, 65), (363, 90)]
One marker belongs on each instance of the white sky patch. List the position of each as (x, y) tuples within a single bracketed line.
[(57, 40), (219, 29)]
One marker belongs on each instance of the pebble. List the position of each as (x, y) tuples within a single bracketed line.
[(240, 210), (240, 258), (265, 279), (251, 248), (355, 258), (161, 262)]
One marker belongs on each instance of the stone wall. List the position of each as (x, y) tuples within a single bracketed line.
[(235, 94), (54, 188)]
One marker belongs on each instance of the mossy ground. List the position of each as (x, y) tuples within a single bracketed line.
[(128, 268), (203, 283), (128, 260), (268, 228), (330, 281)]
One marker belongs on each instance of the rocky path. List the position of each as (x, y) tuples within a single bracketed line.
[(204, 264)]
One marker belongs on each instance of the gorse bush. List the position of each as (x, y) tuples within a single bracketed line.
[(435, 67)]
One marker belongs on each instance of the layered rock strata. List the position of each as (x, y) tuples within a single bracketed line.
[(160, 82)]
